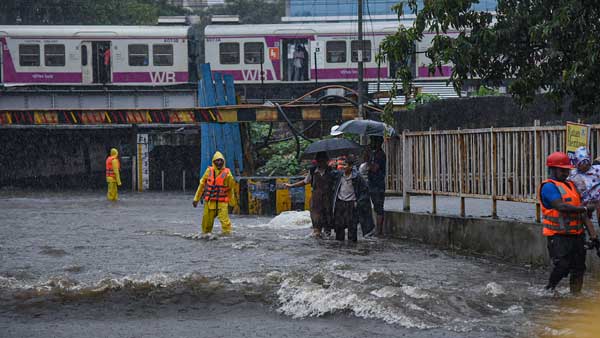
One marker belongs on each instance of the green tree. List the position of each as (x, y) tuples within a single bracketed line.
[(85, 12), (538, 45)]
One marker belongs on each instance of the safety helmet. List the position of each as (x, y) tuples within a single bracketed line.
[(559, 159)]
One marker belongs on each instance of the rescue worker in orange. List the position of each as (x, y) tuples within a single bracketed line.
[(113, 177), (217, 190), (564, 219)]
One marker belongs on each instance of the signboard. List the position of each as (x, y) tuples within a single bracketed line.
[(578, 135), (143, 174), (274, 53)]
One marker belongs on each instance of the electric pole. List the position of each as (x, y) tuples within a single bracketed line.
[(361, 112)]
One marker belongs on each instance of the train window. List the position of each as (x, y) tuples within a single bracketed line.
[(84, 56), (162, 55), (355, 46), (336, 51), (138, 55), (29, 55), (54, 55), (229, 53), (253, 53)]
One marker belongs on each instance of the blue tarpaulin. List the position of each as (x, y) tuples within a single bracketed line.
[(223, 137)]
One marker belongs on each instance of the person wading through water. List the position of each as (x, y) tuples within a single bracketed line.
[(217, 189), (113, 177), (350, 190), (565, 218), (322, 179)]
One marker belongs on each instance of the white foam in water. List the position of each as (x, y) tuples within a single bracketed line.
[(301, 299), (514, 309), (244, 245), (386, 292), (494, 289), (289, 220), (414, 292)]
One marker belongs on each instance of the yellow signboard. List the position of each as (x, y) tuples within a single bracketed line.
[(578, 135)]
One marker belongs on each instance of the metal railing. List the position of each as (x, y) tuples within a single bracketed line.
[(500, 164)]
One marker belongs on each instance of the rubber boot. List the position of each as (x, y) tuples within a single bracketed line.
[(575, 284)]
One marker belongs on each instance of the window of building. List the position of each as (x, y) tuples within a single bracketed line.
[(84, 55), (229, 53), (54, 55), (253, 53), (336, 51), (29, 55), (355, 46), (138, 55), (162, 55)]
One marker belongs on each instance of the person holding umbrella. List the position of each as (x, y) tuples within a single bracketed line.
[(322, 179)]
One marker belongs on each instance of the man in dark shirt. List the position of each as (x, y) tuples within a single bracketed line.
[(377, 165)]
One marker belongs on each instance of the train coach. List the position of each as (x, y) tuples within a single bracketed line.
[(87, 55), (322, 52), (273, 60)]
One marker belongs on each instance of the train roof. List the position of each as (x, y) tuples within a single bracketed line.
[(51, 31), (305, 28)]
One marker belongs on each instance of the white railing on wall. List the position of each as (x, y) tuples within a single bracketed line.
[(500, 164)]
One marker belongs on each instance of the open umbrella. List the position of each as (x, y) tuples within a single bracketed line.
[(367, 128), (333, 147)]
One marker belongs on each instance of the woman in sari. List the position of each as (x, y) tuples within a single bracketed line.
[(586, 177)]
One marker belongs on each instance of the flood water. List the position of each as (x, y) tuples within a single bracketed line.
[(73, 263)]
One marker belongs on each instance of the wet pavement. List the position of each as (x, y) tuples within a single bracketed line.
[(73, 263), (473, 207)]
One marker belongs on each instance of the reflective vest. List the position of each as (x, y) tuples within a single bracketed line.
[(215, 189), (556, 222), (109, 167)]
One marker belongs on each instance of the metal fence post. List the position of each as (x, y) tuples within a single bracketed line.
[(461, 159), (494, 153), (162, 180), (537, 154), (184, 181), (432, 182), (406, 165)]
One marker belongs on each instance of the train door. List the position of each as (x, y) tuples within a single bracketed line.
[(102, 62), (1, 60), (317, 61), (87, 70), (295, 59)]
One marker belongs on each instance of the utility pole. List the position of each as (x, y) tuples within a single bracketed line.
[(361, 112)]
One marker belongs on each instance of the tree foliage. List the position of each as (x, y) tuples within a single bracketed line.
[(540, 46), (85, 12), (251, 11), (274, 157)]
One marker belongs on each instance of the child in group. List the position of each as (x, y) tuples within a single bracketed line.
[(586, 177), (350, 191)]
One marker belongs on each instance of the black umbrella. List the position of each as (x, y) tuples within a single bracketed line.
[(333, 147), (367, 128)]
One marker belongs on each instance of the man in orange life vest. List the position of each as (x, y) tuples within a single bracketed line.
[(565, 219), (216, 188), (113, 177)]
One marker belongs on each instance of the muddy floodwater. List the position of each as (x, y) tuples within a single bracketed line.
[(75, 265)]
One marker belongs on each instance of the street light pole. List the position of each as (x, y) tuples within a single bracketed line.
[(361, 112)]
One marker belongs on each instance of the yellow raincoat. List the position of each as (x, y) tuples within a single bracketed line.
[(212, 208), (113, 181)]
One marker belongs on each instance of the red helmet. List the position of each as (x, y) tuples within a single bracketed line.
[(559, 159)]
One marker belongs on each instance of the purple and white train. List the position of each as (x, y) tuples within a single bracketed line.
[(165, 55)]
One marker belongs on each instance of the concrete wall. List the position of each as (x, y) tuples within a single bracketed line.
[(511, 241)]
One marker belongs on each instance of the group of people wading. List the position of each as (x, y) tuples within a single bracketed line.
[(342, 193)]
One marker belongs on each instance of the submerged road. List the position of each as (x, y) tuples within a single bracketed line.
[(73, 263)]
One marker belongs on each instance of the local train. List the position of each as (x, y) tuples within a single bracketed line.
[(169, 55)]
